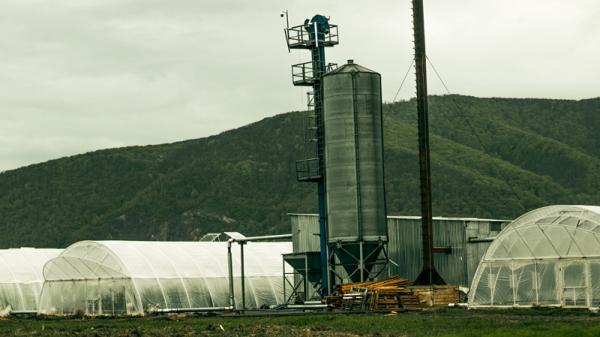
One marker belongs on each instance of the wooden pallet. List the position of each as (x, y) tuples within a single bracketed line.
[(410, 301), (436, 296), (354, 301)]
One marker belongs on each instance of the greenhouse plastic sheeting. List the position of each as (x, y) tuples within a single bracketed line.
[(21, 277), (133, 278), (547, 257)]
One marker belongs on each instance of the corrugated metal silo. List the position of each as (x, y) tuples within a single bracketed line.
[(356, 213)]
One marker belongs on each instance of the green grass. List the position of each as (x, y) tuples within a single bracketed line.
[(446, 323)]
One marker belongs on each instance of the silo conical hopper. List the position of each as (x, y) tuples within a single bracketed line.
[(355, 195)]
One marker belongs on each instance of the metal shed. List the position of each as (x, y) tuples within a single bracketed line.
[(460, 243)]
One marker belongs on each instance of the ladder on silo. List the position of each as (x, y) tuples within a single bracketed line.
[(309, 36), (315, 35)]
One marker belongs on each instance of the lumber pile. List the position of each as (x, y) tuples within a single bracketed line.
[(436, 296), (389, 283), (383, 295), (390, 294)]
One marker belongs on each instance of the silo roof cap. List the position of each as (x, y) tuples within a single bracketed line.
[(351, 67)]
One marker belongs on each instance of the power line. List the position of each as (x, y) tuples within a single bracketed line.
[(403, 80), (438, 75), (473, 130)]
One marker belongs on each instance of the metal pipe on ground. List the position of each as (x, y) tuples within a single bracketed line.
[(183, 310), (22, 313), (307, 306)]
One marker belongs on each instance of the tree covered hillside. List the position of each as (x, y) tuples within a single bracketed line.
[(491, 157)]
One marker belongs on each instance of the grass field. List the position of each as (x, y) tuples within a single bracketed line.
[(447, 323)]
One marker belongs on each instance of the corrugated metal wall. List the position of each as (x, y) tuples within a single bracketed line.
[(475, 252), (405, 248), (457, 267), (476, 249), (462, 235), (305, 232)]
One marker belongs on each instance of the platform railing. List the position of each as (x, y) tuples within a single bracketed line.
[(308, 169), (302, 36)]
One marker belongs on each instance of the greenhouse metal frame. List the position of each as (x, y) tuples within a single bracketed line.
[(21, 278), (547, 257), (135, 278)]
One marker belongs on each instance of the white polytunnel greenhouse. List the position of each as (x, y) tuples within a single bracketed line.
[(21, 278), (134, 278), (547, 257)]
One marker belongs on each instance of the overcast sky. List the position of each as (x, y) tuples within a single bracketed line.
[(82, 75)]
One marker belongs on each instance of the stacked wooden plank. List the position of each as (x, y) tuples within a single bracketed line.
[(410, 301), (436, 296), (383, 295), (391, 294), (388, 283)]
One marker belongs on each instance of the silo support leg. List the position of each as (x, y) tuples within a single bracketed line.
[(361, 262)]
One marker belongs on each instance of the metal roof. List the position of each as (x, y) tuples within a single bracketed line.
[(415, 217), (351, 67)]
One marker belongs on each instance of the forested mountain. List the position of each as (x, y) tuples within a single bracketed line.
[(491, 157)]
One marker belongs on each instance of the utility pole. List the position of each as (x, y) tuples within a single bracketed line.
[(428, 276)]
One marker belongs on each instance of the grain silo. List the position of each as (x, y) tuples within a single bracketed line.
[(355, 195)]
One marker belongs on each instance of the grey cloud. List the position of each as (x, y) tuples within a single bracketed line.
[(77, 76)]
